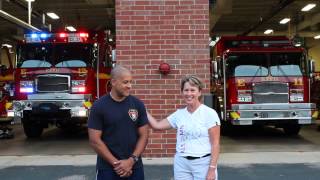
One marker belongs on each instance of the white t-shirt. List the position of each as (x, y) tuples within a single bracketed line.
[(192, 130)]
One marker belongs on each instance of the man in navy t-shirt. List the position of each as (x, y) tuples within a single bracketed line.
[(118, 130)]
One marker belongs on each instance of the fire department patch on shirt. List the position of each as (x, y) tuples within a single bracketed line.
[(133, 113)]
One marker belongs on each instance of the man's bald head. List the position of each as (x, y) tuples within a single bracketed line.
[(121, 81), (119, 71)]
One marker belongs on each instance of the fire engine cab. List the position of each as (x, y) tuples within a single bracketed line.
[(262, 80), (57, 78)]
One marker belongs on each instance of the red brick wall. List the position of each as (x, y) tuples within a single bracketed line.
[(153, 31)]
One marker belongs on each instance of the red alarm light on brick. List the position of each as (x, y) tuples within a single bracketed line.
[(164, 68)]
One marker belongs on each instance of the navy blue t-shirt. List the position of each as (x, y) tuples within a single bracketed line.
[(119, 123)]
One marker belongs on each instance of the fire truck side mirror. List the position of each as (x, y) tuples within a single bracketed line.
[(312, 66), (215, 69), (113, 56)]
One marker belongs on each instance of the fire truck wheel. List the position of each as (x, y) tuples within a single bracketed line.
[(292, 129), (32, 130), (226, 128)]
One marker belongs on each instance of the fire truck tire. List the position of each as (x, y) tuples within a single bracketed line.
[(292, 129), (226, 128), (32, 130)]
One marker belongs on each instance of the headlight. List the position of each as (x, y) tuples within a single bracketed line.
[(79, 112), (244, 96), (78, 86), (296, 95), (26, 87)]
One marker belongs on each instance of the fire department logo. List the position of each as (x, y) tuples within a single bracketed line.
[(133, 113)]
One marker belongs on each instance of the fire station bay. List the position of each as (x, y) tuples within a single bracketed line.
[(259, 62)]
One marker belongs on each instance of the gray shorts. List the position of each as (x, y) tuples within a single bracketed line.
[(196, 169)]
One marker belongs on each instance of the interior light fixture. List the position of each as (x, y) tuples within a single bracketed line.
[(308, 7), (52, 15), (284, 20), (268, 31), (30, 0), (298, 44), (317, 37), (71, 28)]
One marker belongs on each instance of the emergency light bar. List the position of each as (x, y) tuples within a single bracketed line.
[(258, 43), (64, 37), (36, 37)]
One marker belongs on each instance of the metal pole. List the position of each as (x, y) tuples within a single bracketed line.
[(29, 12), (17, 21), (43, 19), (98, 64)]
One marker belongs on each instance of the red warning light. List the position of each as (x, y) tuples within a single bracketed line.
[(83, 35), (62, 35)]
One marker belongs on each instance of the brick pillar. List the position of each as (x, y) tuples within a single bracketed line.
[(149, 32)]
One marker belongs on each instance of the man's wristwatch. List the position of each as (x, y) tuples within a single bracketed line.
[(135, 158)]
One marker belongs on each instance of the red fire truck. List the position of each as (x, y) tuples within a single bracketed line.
[(262, 80), (315, 93), (6, 93), (58, 76)]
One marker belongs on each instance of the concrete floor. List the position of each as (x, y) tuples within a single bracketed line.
[(54, 141), (270, 139), (164, 172), (250, 153)]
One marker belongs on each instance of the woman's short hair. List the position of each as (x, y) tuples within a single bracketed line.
[(193, 80)]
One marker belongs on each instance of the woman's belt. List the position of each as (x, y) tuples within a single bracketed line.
[(192, 157)]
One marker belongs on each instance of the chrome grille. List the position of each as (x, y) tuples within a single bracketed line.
[(270, 92), (53, 83)]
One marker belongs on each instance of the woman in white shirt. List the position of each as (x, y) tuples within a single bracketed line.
[(198, 134)]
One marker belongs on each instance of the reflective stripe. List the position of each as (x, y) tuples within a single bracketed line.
[(103, 76), (6, 78)]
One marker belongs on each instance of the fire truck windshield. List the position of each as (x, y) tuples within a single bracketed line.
[(39, 55), (247, 65), (286, 64), (264, 64)]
